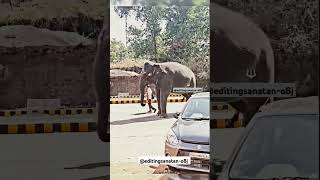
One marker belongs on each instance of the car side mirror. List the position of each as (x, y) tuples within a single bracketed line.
[(176, 115)]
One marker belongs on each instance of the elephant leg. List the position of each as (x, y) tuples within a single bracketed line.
[(164, 97), (158, 101)]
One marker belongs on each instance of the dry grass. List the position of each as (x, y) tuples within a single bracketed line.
[(128, 63), (48, 9)]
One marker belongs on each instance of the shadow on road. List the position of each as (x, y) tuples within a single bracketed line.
[(182, 176), (140, 113), (90, 166), (141, 119), (98, 178)]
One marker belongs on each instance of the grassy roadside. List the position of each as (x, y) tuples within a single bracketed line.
[(82, 16), (128, 64)]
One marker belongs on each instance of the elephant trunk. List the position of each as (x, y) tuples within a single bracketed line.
[(142, 86), (101, 84)]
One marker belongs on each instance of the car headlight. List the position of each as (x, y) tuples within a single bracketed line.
[(172, 138)]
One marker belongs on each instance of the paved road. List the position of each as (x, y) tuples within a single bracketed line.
[(55, 156), (63, 156), (81, 156), (135, 133)]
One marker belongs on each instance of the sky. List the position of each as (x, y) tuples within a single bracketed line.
[(117, 29), (117, 25)]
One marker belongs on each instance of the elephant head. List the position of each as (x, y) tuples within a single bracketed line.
[(150, 74), (153, 68), (242, 53)]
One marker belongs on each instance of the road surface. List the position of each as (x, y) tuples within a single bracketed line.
[(81, 156), (135, 133), (58, 156)]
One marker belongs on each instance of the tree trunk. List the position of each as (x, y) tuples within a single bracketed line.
[(126, 21), (155, 45)]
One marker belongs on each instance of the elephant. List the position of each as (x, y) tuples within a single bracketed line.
[(240, 52), (101, 66), (165, 76)]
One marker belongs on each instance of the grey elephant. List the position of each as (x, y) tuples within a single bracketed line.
[(165, 76), (101, 80), (241, 52)]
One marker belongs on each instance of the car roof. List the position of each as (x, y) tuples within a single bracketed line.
[(201, 94), (302, 105)]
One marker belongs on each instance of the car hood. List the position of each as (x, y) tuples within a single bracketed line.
[(196, 132)]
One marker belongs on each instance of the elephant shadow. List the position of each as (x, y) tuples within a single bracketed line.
[(90, 166), (142, 119), (140, 113), (185, 176), (98, 178)]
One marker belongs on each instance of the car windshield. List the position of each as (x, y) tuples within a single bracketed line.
[(279, 146), (196, 108)]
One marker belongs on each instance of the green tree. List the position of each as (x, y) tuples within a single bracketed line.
[(124, 11), (118, 51), (177, 33), (151, 16)]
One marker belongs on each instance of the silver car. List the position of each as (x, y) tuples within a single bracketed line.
[(280, 142)]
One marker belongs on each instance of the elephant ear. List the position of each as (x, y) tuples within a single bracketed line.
[(159, 69), (147, 67)]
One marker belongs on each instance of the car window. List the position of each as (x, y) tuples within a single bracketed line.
[(196, 108), (279, 146)]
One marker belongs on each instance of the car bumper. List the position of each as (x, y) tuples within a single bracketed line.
[(186, 148)]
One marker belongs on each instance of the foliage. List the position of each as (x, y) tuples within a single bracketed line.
[(162, 2), (176, 33), (118, 51)]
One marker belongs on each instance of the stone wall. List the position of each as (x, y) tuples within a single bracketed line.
[(124, 84), (46, 72)]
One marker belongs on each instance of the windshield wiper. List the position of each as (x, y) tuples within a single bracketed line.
[(290, 178)]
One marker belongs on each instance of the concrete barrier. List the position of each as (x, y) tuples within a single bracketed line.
[(138, 96), (73, 111), (47, 128), (136, 101)]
